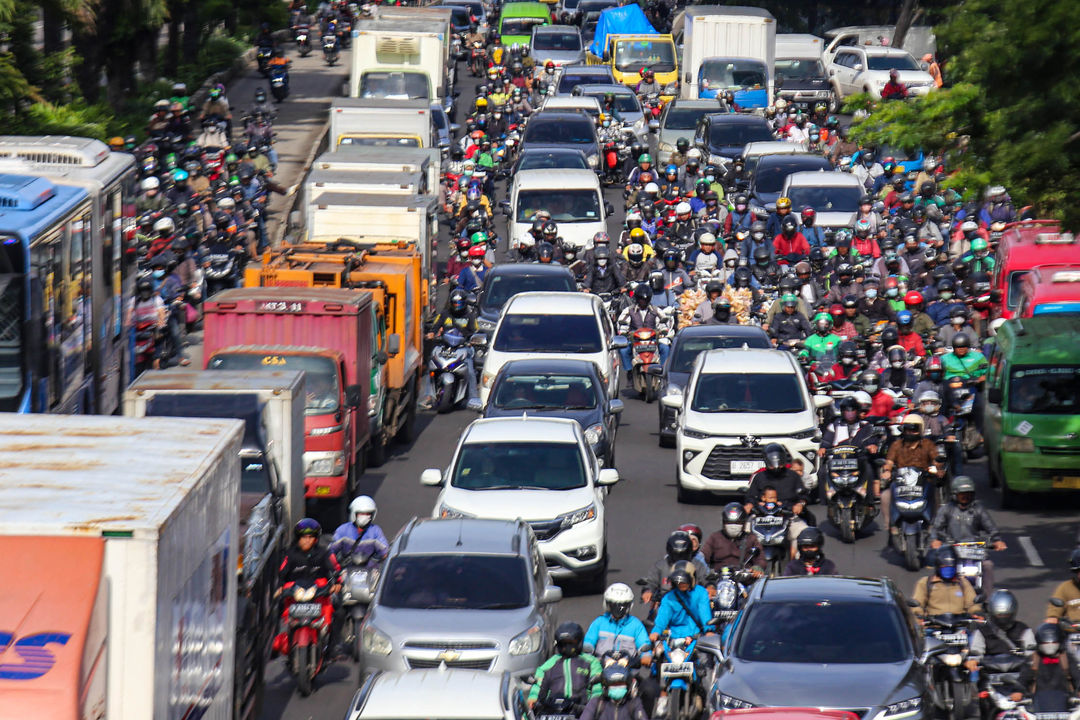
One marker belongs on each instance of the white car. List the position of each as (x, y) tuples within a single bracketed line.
[(865, 68), (573, 197), (738, 401), (833, 195), (449, 694), (557, 325), (541, 470)]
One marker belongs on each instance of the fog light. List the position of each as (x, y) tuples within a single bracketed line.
[(687, 455), (583, 553)]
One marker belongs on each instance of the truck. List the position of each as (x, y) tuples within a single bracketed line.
[(799, 74), (727, 48), (119, 538), (386, 53), (390, 273), (360, 158), (334, 337), (320, 182), (443, 16), (271, 462), (626, 42), (381, 122), (919, 41)]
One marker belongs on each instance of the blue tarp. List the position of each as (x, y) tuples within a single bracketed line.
[(627, 20)]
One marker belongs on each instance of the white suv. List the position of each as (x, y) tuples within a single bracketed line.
[(542, 471), (565, 325), (736, 402)]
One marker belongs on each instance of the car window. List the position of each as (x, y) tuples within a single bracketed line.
[(503, 287), (802, 69), (1045, 390), (738, 133), (547, 160), (539, 392), (769, 177), (395, 85), (845, 59), (458, 582), (565, 206), (892, 62), (519, 466), (687, 349), (556, 41), (748, 393), (549, 334), (679, 118), (570, 130), (520, 25), (826, 199)]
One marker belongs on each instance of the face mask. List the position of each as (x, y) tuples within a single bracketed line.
[(617, 692), (602, 262), (946, 295), (477, 262), (159, 274), (362, 520), (733, 530), (464, 256), (957, 321), (1049, 649), (948, 572), (847, 360), (892, 292)]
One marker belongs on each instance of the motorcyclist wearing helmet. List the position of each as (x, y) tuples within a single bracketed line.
[(1068, 593), (965, 362), (872, 305), (308, 564), (673, 280), (844, 284), (811, 558), (958, 324), (460, 315), (911, 449), (790, 246), (1001, 634), (849, 427), (360, 542), (472, 277), (679, 547), (1052, 677), (963, 519), (824, 339), (567, 680), (605, 274), (704, 258), (731, 545), (643, 313), (997, 208), (945, 591), (789, 325), (788, 485), (639, 258), (847, 363), (773, 225), (940, 310), (644, 167), (979, 258), (714, 290), (908, 339), (678, 158), (617, 700), (217, 107), (616, 629), (648, 85), (684, 610), (740, 218)]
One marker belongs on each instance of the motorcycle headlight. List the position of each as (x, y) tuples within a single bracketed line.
[(900, 710), (845, 480), (1015, 443), (374, 642), (579, 516), (952, 659), (527, 642), (594, 434), (372, 405), (726, 595)]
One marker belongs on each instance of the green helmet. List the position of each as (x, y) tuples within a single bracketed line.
[(978, 244), (478, 238), (644, 158), (790, 299)]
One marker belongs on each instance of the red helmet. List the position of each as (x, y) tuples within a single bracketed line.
[(808, 212), (891, 282), (913, 298), (477, 251), (463, 245), (836, 310), (692, 530)]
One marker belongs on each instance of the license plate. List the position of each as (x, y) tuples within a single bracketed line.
[(305, 610), (953, 638), (683, 669), (745, 467), (1067, 482), (277, 82), (908, 491), (645, 347), (766, 521), (322, 490)]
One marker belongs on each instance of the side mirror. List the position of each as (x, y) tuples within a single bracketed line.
[(995, 396), (354, 395), (619, 342), (615, 406), (475, 405), (478, 339), (551, 595), (607, 476), (711, 645), (609, 209), (655, 370), (686, 77), (654, 126), (454, 127), (504, 208), (675, 402), (382, 357), (913, 603), (431, 477), (822, 401), (393, 345)]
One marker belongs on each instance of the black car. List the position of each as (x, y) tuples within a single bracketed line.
[(772, 170), (574, 75), (824, 641), (564, 158), (722, 136), (506, 280), (570, 389), (802, 82), (559, 129), (688, 344)]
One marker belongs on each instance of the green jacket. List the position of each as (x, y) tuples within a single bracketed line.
[(577, 678), (818, 345), (922, 324), (971, 366)]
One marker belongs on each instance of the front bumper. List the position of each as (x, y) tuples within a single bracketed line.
[(706, 464), (1041, 472), (578, 550), (806, 99)]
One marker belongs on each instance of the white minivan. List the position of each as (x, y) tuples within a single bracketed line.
[(573, 197)]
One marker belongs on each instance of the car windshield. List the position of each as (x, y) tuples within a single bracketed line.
[(679, 118), (632, 55), (320, 377), (564, 131), (501, 288), (723, 134), (1045, 390), (771, 178), (569, 41), (395, 85), (549, 334), (455, 582), (825, 198), (897, 154), (748, 393), (520, 25), (545, 392), (459, 16), (569, 80), (549, 160), (723, 74), (820, 633), (254, 473), (519, 466), (803, 69), (379, 141), (564, 205), (892, 62), (687, 349), (625, 103)]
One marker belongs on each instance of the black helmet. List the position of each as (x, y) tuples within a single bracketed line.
[(817, 257), (1048, 639), (568, 639), (458, 301), (945, 563), (897, 357), (682, 145), (545, 251), (714, 286), (810, 537), (679, 546), (757, 230), (869, 381), (616, 676), (1074, 560), (788, 284), (550, 231), (682, 573), (848, 352), (307, 526), (846, 404), (789, 224), (721, 308), (844, 269), (850, 301), (733, 519), (762, 256), (1002, 608), (890, 336), (742, 276), (144, 284), (672, 255), (775, 456), (643, 292), (961, 340)]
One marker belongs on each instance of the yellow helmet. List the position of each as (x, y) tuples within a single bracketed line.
[(783, 203), (116, 143), (481, 103), (638, 235), (899, 170)]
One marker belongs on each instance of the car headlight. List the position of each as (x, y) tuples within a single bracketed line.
[(318, 432), (327, 466), (811, 433), (578, 516), (448, 513), (594, 434), (527, 642), (1015, 443), (673, 391), (374, 642), (696, 434), (900, 710), (727, 702), (485, 325), (593, 160), (487, 378)]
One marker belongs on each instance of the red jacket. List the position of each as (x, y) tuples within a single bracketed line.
[(796, 245), (893, 90), (866, 246), (912, 341)]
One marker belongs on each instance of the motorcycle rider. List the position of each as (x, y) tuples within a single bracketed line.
[(1068, 592), (844, 284), (789, 324), (684, 610), (460, 315), (908, 339), (741, 218), (730, 546), (307, 563), (1052, 678), (648, 85), (958, 323), (759, 238), (964, 518), (360, 539), (604, 276), (616, 702), (787, 484), (1001, 633), (217, 106), (616, 630), (720, 313), (790, 246), (679, 548), (811, 559), (911, 449), (642, 313), (673, 280), (471, 278), (945, 591), (567, 680), (824, 339), (773, 226)]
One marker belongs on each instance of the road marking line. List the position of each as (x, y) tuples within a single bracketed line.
[(1030, 551)]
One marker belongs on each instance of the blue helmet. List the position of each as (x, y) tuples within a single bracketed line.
[(903, 317), (671, 169), (180, 175)]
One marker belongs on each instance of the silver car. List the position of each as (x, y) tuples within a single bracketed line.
[(468, 593), (679, 120), (559, 43)]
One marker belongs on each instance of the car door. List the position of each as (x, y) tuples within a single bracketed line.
[(607, 331), (841, 70)]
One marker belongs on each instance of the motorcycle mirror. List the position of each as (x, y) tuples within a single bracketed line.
[(641, 582), (1057, 602), (913, 603), (609, 208), (754, 552), (382, 357), (478, 339), (354, 395), (619, 342), (822, 401)]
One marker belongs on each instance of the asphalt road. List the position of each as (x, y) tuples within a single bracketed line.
[(642, 509)]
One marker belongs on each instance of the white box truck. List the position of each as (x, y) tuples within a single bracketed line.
[(360, 158), (385, 50), (119, 538), (729, 33), (372, 182), (380, 122)]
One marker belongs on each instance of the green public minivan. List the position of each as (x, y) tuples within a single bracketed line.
[(1032, 413), (517, 19)]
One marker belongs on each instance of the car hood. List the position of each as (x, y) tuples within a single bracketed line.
[(438, 624), (835, 219), (584, 418), (559, 57), (907, 77), (749, 423), (529, 505), (814, 685)]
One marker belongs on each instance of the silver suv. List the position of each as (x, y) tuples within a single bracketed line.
[(467, 593)]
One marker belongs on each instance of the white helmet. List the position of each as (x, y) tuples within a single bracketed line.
[(706, 238), (364, 507), (693, 154), (995, 324), (863, 398), (682, 208), (165, 226), (618, 599), (652, 189), (227, 204), (150, 183), (781, 105)]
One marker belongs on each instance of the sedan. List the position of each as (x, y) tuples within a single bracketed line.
[(561, 130), (574, 75), (721, 137), (571, 389), (549, 159), (626, 103)]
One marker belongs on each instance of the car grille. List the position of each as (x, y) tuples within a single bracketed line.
[(449, 645), (718, 464), (546, 529), (1059, 450), (417, 664)]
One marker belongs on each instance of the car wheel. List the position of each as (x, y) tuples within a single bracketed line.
[(687, 497), (667, 441)]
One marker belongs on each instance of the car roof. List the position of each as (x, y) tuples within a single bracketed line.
[(808, 159), (761, 360), (883, 51), (824, 588), (615, 88), (518, 429), (549, 366), (540, 29), (774, 147), (695, 102), (530, 269), (550, 303), (569, 178), (749, 331), (1047, 339), (736, 119), (571, 101), (818, 178), (559, 116), (461, 536), (581, 69), (439, 692)]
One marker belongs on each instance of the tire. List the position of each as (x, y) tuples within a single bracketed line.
[(847, 525), (674, 704), (407, 433), (445, 399), (377, 451), (667, 441), (687, 497), (648, 388), (911, 555), (961, 698), (304, 667)]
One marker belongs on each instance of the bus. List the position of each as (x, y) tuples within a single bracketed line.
[(111, 180)]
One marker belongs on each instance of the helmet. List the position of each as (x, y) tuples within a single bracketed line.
[(545, 252), (789, 300), (458, 301), (683, 208), (945, 563), (694, 531), (929, 402), (775, 456), (568, 639), (848, 405), (683, 572), (961, 484), (165, 226), (762, 255), (616, 680), (844, 269), (757, 230), (307, 526), (1048, 639), (913, 425), (904, 318), (150, 183), (1074, 560), (961, 340), (651, 189), (783, 203), (362, 511), (870, 381), (913, 298), (144, 284), (477, 251), (848, 353), (864, 400), (679, 546), (733, 520), (810, 537), (808, 213), (180, 175), (707, 239), (618, 600), (789, 225), (644, 158)]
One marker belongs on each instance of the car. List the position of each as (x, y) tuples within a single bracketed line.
[(465, 593), (588, 7), (475, 8), (679, 119), (571, 389), (572, 103), (689, 342), (839, 643), (802, 82), (460, 21), (574, 75), (559, 43), (626, 104), (833, 195), (772, 170), (568, 11), (573, 197), (517, 20), (563, 158), (1050, 290), (736, 401), (506, 280), (865, 69), (440, 692), (722, 136), (563, 129), (540, 470), (1023, 246), (552, 325), (753, 152), (444, 129)]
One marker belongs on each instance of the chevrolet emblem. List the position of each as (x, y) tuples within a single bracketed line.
[(449, 656)]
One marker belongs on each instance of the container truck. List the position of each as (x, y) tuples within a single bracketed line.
[(359, 158), (120, 540), (384, 51), (320, 182), (381, 122), (730, 34)]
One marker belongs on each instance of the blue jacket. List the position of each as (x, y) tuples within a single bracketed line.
[(606, 634), (673, 616), (470, 279), (814, 235), (371, 549)]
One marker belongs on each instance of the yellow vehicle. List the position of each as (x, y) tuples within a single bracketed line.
[(627, 55)]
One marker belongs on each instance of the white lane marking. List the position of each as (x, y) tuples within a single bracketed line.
[(1030, 551)]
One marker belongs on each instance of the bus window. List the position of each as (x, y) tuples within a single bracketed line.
[(46, 266), (12, 311)]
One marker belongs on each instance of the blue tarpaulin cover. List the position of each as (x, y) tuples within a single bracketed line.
[(627, 20)]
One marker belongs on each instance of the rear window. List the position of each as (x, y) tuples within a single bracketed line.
[(678, 118), (728, 133), (501, 288), (556, 41), (395, 85), (546, 160), (455, 582), (549, 334), (565, 130), (545, 392), (770, 175)]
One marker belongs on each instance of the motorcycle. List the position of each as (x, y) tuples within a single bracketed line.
[(477, 59), (769, 523), (731, 584), (951, 688), (850, 507), (447, 367), (355, 598), (911, 514), (306, 639), (645, 355), (262, 58), (330, 49), (146, 333), (970, 555), (279, 83), (679, 678), (962, 406), (303, 41), (614, 159), (999, 677)]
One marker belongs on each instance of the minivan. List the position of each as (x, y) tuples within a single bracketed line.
[(517, 20), (573, 197)]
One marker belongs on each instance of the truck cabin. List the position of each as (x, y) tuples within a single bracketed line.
[(748, 79), (396, 85)]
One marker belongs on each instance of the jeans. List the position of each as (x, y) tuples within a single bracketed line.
[(627, 354), (470, 375)]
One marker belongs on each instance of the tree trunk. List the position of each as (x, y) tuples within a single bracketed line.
[(88, 70), (192, 33), (903, 22), (146, 52), (52, 21), (172, 50)]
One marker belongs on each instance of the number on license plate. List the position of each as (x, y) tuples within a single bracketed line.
[(305, 610), (768, 521), (744, 467), (683, 669), (953, 638)]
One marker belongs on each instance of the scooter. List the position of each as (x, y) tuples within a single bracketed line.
[(356, 590), (307, 638), (146, 333), (279, 83), (448, 367), (303, 41), (679, 678), (330, 49), (849, 506), (911, 514), (262, 58), (769, 523), (645, 355), (970, 555), (951, 688)]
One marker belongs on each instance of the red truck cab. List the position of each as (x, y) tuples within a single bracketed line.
[(1025, 245), (1050, 290)]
